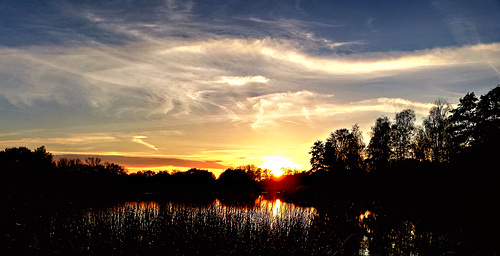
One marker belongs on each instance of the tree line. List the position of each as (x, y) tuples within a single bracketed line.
[(35, 174), (452, 149), (451, 155), (445, 135)]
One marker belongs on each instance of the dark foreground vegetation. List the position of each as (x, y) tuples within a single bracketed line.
[(445, 170)]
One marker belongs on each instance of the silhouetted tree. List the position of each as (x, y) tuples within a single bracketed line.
[(147, 173), (317, 156), (403, 133), (342, 150), (488, 116), (200, 177), (463, 123), (93, 162), (379, 149), (435, 132), (237, 180), (26, 163), (26, 172), (113, 169), (252, 170), (422, 146)]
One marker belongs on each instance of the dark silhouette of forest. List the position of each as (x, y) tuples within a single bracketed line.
[(451, 154)]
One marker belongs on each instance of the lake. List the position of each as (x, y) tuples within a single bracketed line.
[(266, 226)]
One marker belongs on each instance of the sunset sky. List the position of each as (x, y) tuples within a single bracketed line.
[(213, 84)]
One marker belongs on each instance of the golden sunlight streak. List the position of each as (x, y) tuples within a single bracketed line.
[(277, 208)]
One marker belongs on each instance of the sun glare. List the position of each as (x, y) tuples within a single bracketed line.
[(276, 163)]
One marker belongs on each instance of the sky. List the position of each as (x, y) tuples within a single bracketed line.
[(165, 85)]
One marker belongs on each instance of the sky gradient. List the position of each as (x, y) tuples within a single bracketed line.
[(212, 84)]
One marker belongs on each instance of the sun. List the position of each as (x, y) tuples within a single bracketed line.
[(276, 163)]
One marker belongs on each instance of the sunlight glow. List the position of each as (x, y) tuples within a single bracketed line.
[(277, 208), (276, 163)]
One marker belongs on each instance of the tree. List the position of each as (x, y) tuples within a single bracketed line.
[(41, 153), (488, 112), (93, 162), (252, 170), (463, 123), (436, 130), (114, 169), (422, 145), (237, 180), (317, 156), (403, 131), (265, 174), (342, 150), (379, 149)]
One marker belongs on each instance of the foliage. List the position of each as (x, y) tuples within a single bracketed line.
[(463, 122), (342, 151), (379, 149)]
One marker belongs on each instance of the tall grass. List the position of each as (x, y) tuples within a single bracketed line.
[(267, 227)]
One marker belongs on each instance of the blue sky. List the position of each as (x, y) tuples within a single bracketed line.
[(230, 82)]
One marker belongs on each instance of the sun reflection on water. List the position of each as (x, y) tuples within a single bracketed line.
[(266, 213), (276, 208), (266, 217), (263, 226)]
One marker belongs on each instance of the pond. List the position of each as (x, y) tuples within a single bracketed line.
[(267, 226)]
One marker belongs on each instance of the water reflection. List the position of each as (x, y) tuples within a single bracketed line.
[(173, 227), (273, 215), (268, 226), (365, 222)]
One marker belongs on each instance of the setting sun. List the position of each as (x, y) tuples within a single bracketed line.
[(276, 163)]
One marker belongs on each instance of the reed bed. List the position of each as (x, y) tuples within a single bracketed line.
[(266, 227)]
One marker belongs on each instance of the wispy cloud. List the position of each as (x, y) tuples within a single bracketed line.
[(139, 139), (188, 80), (305, 107), (75, 139)]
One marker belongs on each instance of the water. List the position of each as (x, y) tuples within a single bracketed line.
[(265, 227)]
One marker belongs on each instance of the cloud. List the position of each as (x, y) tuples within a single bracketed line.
[(139, 139), (70, 140), (130, 161), (396, 61), (194, 80), (242, 80), (186, 81), (309, 108)]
